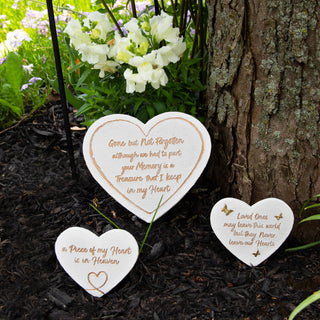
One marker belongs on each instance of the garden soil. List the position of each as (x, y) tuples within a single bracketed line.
[(183, 272)]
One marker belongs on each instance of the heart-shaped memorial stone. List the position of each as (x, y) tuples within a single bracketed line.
[(97, 264), (137, 163), (252, 233)]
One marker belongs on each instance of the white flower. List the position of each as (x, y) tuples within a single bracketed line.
[(122, 46), (170, 53), (5, 48), (103, 24), (28, 68), (136, 37), (161, 28), (134, 82), (132, 25), (77, 37), (148, 72), (107, 66), (137, 61), (93, 53), (90, 51), (154, 76), (16, 37)]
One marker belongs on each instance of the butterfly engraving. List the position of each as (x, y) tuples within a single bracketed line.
[(257, 253), (280, 216), (226, 210)]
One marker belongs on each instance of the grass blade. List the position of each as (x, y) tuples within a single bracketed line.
[(104, 215), (311, 218), (314, 297), (147, 233), (306, 246)]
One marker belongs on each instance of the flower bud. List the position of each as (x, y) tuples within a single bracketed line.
[(95, 34), (146, 26)]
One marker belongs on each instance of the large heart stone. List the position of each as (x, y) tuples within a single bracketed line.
[(252, 233), (97, 264), (137, 163)]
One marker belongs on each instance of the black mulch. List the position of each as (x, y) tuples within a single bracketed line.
[(182, 273)]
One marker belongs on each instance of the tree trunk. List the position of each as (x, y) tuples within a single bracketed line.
[(264, 99)]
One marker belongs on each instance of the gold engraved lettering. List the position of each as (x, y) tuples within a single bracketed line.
[(116, 250), (230, 225), (154, 154), (74, 248), (261, 243), (120, 178), (260, 217), (104, 251), (146, 142), (112, 143), (120, 155), (149, 166), (176, 177), (167, 142), (245, 216), (125, 168), (133, 143), (155, 189), (175, 154), (98, 260)]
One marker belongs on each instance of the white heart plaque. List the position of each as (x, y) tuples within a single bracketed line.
[(97, 264), (252, 233), (137, 163)]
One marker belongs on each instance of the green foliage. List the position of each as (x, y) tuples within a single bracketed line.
[(315, 217), (36, 52), (98, 97), (11, 78)]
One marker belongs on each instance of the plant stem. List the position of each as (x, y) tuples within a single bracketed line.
[(112, 17), (133, 8), (104, 216), (147, 233), (156, 7)]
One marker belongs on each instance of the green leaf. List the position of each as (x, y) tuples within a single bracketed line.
[(306, 246), (83, 77), (84, 108), (12, 107), (73, 100), (150, 111), (314, 297), (14, 72), (311, 218), (159, 106), (137, 106), (312, 206), (307, 202)]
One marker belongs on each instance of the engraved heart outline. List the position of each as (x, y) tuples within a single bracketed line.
[(225, 210), (97, 275), (145, 130)]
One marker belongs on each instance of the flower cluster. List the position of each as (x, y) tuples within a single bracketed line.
[(13, 41), (148, 46)]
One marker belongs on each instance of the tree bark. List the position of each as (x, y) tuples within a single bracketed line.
[(264, 99)]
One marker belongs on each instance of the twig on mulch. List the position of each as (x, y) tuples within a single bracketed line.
[(19, 122)]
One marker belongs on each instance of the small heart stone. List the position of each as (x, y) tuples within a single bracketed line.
[(97, 264), (252, 233)]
